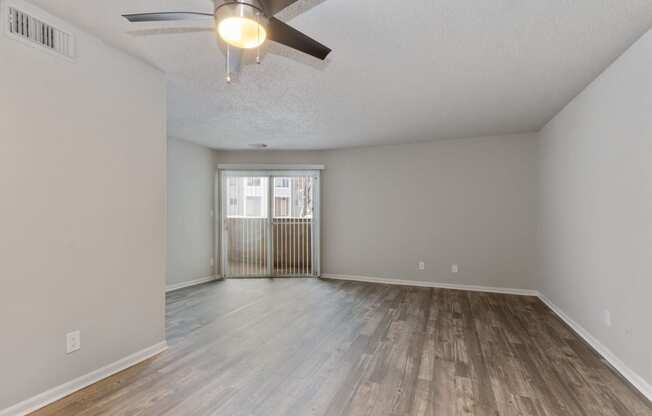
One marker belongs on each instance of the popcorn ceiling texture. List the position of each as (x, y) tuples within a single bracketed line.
[(400, 71)]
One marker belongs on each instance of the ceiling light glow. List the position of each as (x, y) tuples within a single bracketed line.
[(242, 33)]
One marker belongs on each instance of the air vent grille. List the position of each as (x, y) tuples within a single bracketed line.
[(39, 33)]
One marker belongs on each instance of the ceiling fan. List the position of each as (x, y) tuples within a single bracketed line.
[(245, 24)]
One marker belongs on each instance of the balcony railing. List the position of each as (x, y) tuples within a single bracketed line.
[(248, 249)]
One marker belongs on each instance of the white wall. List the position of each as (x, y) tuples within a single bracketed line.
[(384, 209), (596, 208), (190, 199), (82, 219)]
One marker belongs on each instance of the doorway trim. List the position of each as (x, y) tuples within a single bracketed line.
[(263, 166)]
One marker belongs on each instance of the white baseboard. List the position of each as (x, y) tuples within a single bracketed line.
[(418, 283), (59, 392), (189, 283), (630, 375)]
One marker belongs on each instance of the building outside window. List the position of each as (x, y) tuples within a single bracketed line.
[(281, 206), (248, 197), (282, 182)]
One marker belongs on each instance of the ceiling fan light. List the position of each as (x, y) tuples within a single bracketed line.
[(240, 25), (241, 32)]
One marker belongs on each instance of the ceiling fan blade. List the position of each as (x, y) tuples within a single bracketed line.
[(274, 6), (289, 36), (170, 31), (166, 16)]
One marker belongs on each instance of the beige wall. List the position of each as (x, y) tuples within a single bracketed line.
[(469, 202), (596, 206), (82, 212), (190, 198)]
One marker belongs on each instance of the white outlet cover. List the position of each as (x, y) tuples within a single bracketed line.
[(607, 317), (422, 265), (455, 268), (73, 341)]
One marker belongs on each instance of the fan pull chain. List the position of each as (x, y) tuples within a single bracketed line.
[(228, 63), (258, 35)]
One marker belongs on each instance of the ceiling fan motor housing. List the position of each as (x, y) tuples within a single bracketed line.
[(250, 9)]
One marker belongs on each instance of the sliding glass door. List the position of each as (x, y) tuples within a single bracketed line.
[(269, 223)]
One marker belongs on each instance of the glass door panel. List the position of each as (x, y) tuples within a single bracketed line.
[(292, 226), (246, 226)]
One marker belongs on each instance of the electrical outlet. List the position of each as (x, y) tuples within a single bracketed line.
[(422, 265), (455, 268), (73, 341), (607, 317)]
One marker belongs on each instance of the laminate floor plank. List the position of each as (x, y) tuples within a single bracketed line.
[(310, 347)]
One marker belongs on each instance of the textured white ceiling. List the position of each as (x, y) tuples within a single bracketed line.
[(401, 71)]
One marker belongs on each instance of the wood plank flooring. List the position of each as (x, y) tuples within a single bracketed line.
[(312, 347)]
